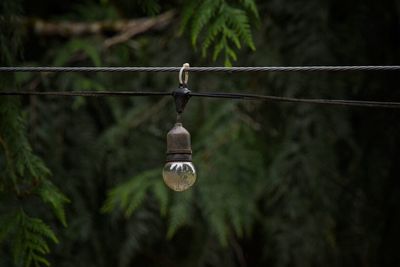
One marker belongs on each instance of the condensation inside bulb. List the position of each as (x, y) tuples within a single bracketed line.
[(179, 176)]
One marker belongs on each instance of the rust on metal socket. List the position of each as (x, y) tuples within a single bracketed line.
[(178, 144)]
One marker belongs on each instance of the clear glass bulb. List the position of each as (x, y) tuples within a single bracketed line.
[(179, 176)]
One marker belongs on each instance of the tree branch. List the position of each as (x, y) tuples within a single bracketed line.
[(136, 27), (125, 29)]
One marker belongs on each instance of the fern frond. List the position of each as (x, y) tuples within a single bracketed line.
[(230, 34), (7, 222), (236, 221), (251, 6), (36, 167), (26, 236), (230, 54), (217, 50), (188, 11), (180, 212), (217, 28), (225, 194), (30, 243), (129, 196), (37, 226), (219, 226), (205, 12), (161, 193), (50, 194), (226, 23), (240, 24)]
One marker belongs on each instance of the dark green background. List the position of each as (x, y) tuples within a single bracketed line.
[(279, 184)]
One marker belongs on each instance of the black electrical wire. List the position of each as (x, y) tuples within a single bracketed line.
[(83, 93), (201, 69), (358, 103), (240, 96)]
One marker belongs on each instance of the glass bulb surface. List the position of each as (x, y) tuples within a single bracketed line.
[(179, 176)]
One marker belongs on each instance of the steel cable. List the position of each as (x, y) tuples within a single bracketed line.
[(202, 69)]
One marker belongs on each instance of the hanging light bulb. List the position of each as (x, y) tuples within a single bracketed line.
[(179, 173)]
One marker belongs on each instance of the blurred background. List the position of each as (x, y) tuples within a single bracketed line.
[(279, 184)]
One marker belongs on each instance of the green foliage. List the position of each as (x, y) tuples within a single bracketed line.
[(9, 38), (25, 174), (130, 195), (22, 173), (29, 238), (220, 24), (74, 47), (92, 11), (151, 7), (225, 196), (180, 212), (50, 194)]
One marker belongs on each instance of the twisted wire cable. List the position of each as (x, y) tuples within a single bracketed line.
[(239, 96), (203, 69)]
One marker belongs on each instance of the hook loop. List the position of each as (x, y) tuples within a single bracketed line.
[(183, 72)]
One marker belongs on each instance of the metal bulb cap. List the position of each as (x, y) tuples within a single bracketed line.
[(178, 144)]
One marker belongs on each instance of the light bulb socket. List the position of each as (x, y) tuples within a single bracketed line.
[(178, 144)]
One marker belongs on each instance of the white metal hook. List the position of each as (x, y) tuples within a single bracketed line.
[(183, 71)]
